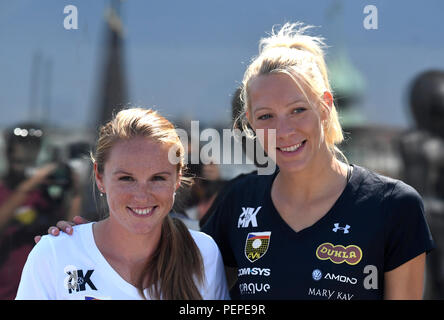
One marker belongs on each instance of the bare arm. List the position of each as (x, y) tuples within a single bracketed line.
[(406, 282)]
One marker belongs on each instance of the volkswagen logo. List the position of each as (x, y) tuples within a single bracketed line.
[(317, 275)]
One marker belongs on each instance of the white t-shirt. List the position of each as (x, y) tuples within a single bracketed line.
[(72, 268)]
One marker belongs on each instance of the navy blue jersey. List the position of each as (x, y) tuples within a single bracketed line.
[(376, 225)]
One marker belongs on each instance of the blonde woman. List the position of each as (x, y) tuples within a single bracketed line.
[(138, 251), (318, 228)]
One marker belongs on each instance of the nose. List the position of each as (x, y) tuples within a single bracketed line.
[(143, 192), (284, 129)]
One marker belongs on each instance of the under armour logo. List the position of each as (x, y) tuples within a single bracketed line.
[(344, 229), (248, 216)]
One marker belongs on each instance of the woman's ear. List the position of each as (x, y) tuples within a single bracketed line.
[(327, 100), (99, 179)]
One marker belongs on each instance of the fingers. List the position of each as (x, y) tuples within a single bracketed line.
[(79, 220), (37, 239), (65, 226), (53, 231)]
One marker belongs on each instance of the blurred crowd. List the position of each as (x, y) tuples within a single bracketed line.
[(42, 184)]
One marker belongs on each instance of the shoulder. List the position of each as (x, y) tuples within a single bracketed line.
[(244, 189), (44, 247), (372, 184), (63, 244), (395, 195), (208, 248), (405, 198), (42, 256), (247, 178), (205, 243), (246, 184), (215, 287), (394, 189)]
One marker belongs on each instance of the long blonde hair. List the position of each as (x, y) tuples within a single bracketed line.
[(292, 52), (171, 271)]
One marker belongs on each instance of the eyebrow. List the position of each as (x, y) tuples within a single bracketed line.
[(287, 105), (296, 101), (121, 171)]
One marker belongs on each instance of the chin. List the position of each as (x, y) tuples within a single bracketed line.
[(144, 229), (294, 166), (291, 168)]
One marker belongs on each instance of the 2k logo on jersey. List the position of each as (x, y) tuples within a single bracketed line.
[(248, 217), (77, 281)]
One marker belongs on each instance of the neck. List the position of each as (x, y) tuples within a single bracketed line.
[(117, 243), (312, 183)]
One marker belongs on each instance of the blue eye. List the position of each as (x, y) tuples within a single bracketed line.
[(126, 178), (264, 117), (299, 110), (159, 178)]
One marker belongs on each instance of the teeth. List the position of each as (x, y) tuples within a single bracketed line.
[(292, 148), (142, 211)]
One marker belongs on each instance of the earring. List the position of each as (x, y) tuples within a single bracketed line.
[(174, 196)]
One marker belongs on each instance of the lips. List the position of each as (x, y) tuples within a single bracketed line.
[(142, 211), (292, 148)]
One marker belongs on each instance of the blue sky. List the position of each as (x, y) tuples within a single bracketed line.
[(187, 57)]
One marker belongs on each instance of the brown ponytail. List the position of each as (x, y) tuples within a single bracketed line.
[(174, 268)]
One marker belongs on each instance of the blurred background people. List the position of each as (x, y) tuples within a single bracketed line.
[(31, 197), (193, 201), (422, 152)]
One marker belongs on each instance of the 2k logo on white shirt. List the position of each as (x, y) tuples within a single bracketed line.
[(248, 217)]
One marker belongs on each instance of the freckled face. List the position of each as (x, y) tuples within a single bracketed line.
[(139, 182), (277, 103)]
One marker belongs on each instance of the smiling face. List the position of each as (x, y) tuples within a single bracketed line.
[(276, 102), (139, 183)]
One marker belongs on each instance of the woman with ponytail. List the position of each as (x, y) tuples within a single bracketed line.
[(138, 251), (318, 228)]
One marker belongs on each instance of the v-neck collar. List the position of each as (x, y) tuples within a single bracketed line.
[(350, 188), (98, 257)]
